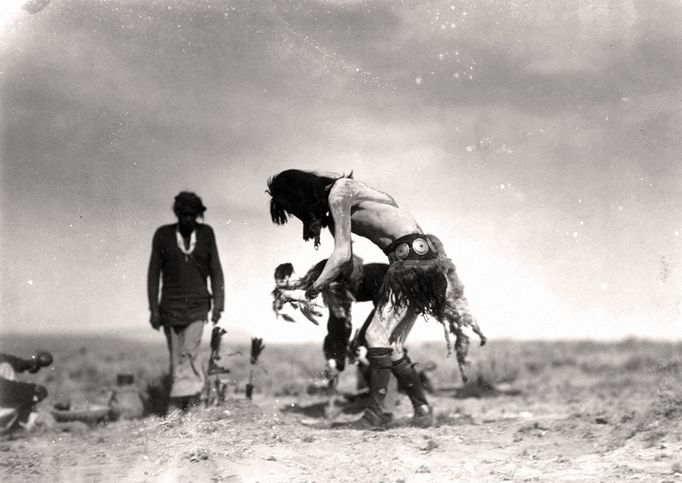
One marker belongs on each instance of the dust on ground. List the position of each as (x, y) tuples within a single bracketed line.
[(549, 412)]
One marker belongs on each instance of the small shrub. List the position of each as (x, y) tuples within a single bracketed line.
[(668, 405), (641, 364), (496, 371)]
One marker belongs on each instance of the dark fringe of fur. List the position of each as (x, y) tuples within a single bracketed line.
[(420, 285)]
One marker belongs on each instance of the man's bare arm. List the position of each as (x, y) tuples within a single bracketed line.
[(340, 200)]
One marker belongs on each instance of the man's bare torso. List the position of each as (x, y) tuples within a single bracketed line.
[(373, 214)]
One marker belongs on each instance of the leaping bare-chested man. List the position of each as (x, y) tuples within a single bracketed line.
[(421, 279)]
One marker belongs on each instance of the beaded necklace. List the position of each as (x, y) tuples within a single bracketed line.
[(181, 243)]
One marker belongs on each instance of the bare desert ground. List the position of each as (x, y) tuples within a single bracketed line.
[(535, 411)]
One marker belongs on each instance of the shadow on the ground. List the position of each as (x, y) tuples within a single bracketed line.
[(478, 388), (319, 409)]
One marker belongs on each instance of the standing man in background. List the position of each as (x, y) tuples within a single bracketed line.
[(184, 255)]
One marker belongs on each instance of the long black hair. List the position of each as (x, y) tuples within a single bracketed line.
[(305, 195)]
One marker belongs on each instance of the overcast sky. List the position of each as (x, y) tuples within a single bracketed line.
[(541, 140)]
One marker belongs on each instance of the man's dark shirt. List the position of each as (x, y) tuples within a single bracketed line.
[(184, 294)]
